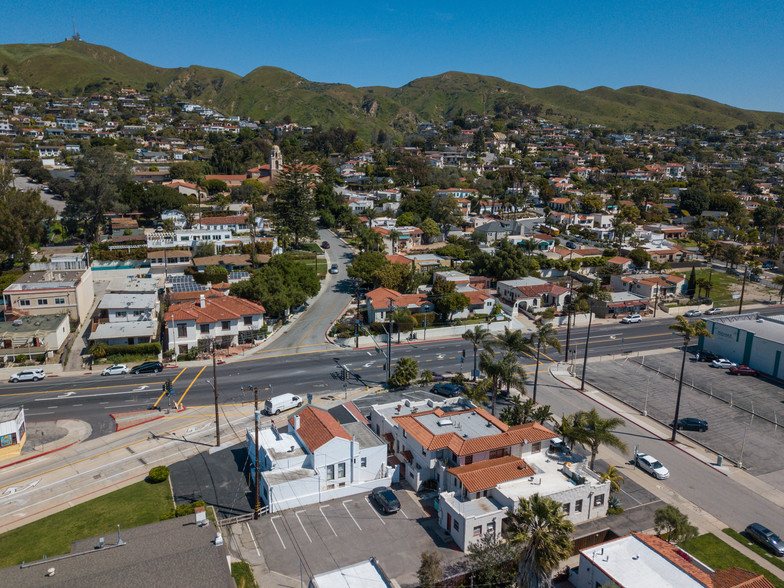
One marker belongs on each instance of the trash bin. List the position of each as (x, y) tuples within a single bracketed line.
[(719, 460)]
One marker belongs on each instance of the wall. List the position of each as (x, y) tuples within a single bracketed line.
[(464, 534), (590, 576), (306, 491)]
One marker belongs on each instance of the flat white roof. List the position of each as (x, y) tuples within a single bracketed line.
[(127, 329), (549, 478), (630, 562), (127, 300), (278, 447), (364, 574)]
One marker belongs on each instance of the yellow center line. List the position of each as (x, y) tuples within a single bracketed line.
[(318, 321), (164, 392), (74, 389), (285, 348), (179, 402)]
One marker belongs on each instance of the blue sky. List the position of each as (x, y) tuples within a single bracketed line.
[(727, 51)]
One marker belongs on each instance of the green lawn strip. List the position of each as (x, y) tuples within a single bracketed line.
[(716, 554), (135, 505), (721, 283), (758, 549), (243, 575)]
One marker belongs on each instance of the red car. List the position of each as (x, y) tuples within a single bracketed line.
[(743, 370), (324, 245)]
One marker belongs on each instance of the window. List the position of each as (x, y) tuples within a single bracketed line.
[(363, 462), (495, 453), (536, 447), (121, 314), (341, 470), (342, 485), (24, 303), (183, 348), (469, 459), (182, 330), (566, 507), (578, 505), (455, 525), (205, 329), (491, 527), (247, 321), (225, 325), (477, 531), (43, 301), (598, 500), (137, 313), (330, 472), (59, 300)]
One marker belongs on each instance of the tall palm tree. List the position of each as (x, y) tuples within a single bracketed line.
[(394, 236), (594, 431), (567, 429), (779, 281), (540, 527), (541, 339), (510, 341), (687, 330), (494, 370), (613, 475), (512, 373), (403, 319), (480, 336)]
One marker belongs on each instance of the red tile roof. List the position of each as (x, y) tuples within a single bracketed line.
[(489, 473), (356, 413), (739, 578), (216, 308), (380, 298), (509, 436), (317, 427), (618, 260), (239, 219), (396, 258), (676, 556)]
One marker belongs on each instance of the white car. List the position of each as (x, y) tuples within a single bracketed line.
[(115, 370), (632, 318), (653, 466), (723, 364), (690, 313), (28, 375), (713, 311)]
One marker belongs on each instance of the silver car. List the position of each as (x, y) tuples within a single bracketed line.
[(653, 466), (28, 375), (115, 370)]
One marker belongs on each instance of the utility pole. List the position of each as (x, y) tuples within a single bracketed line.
[(256, 415), (215, 387), (356, 316), (587, 339), (569, 310), (743, 289), (389, 341)]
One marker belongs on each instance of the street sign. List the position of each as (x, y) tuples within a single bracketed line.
[(735, 296)]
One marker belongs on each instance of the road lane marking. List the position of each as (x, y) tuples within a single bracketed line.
[(404, 513), (296, 514), (256, 545), (316, 324), (179, 402), (326, 519), (272, 520), (375, 512), (351, 515), (164, 392), (62, 390)]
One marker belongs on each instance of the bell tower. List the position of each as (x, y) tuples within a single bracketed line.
[(276, 162)]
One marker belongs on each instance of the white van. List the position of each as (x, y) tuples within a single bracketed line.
[(282, 402)]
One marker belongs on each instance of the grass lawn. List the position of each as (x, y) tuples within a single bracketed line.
[(132, 506), (758, 549), (713, 552), (722, 283), (243, 575)]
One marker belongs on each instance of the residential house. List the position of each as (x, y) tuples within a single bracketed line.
[(235, 223), (620, 304), (533, 294), (622, 262), (382, 301), (177, 218), (226, 320), (317, 459), (170, 258), (126, 319), (651, 286), (232, 263), (33, 336), (499, 230), (51, 292), (191, 238)]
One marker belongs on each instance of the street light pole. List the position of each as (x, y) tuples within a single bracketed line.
[(215, 387), (256, 415), (680, 388), (587, 338), (743, 289)]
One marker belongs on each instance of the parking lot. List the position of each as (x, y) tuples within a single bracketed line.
[(344, 531), (742, 411)]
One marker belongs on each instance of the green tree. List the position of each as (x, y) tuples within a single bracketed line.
[(395, 276), (569, 429), (593, 431), (639, 257), (293, 205), (429, 572), (477, 337), (518, 412), (406, 371), (23, 217), (430, 228), (671, 524), (215, 274), (779, 281), (215, 186), (591, 203), (190, 171), (494, 370), (492, 561), (695, 200), (512, 373), (691, 287), (614, 476), (688, 331), (365, 265), (543, 338), (407, 219), (540, 530), (403, 320)]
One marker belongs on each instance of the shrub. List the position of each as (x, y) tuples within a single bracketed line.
[(376, 328), (183, 510), (136, 349), (158, 474), (98, 350), (21, 358)]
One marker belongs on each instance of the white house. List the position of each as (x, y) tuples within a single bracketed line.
[(317, 459), (224, 319), (126, 318), (533, 293)]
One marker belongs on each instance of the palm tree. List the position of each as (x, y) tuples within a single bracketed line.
[(543, 414), (540, 527), (613, 475), (479, 336), (594, 431), (494, 370), (686, 330), (541, 339), (567, 429), (779, 281), (402, 317), (734, 254), (512, 373), (510, 340), (394, 236)]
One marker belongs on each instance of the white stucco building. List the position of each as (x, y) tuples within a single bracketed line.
[(317, 459), (748, 339)]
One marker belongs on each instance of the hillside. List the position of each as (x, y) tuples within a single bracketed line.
[(271, 93)]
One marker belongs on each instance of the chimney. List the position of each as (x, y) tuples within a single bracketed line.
[(202, 301), (296, 422)]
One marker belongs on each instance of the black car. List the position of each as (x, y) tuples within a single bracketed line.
[(386, 500), (765, 537), (708, 356), (692, 424), (447, 389), (149, 367)]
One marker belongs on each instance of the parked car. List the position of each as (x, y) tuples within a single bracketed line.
[(713, 311), (743, 370), (768, 265), (632, 318), (691, 313), (707, 356), (765, 537), (148, 367), (274, 405), (115, 370), (325, 244), (28, 375), (692, 424), (386, 500), (571, 245), (333, 269), (723, 364), (755, 278), (653, 466), (448, 389)]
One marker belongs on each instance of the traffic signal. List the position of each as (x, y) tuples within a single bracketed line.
[(167, 386), (463, 353)]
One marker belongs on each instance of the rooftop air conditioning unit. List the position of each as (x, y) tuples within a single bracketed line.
[(444, 422)]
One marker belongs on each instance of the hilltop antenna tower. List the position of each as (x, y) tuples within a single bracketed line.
[(76, 36)]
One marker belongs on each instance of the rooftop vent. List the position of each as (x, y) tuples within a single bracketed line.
[(444, 422)]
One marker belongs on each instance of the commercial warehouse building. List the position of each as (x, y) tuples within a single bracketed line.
[(749, 339)]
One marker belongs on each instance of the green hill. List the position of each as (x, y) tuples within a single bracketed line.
[(270, 93)]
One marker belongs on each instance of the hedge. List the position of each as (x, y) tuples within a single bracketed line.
[(102, 350), (158, 474)]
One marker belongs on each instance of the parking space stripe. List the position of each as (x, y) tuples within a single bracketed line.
[(351, 515), (375, 512), (404, 513), (272, 520), (326, 519), (296, 514), (252, 536)]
